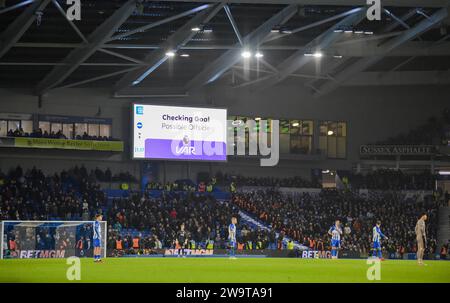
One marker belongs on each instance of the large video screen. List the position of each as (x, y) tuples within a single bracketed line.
[(179, 133)]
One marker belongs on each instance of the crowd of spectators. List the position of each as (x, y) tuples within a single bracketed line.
[(183, 185), (107, 176), (158, 220), (306, 218), (239, 180), (100, 175), (386, 179), (71, 194), (19, 132), (32, 195), (172, 186), (75, 195), (205, 219)]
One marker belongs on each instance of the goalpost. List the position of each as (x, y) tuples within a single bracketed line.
[(49, 239)]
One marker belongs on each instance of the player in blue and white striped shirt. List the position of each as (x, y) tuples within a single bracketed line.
[(377, 235), (232, 237), (335, 231), (97, 238)]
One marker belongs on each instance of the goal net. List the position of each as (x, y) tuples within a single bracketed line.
[(49, 239)]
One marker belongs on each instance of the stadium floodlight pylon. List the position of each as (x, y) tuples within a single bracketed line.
[(49, 239)]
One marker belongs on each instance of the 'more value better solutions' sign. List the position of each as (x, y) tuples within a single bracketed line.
[(179, 133)]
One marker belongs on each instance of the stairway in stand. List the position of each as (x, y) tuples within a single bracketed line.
[(443, 232)]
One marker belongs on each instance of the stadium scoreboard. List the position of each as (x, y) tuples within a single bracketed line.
[(179, 133)]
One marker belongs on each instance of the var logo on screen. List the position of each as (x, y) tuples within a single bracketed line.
[(186, 149)]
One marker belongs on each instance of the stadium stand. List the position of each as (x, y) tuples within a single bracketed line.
[(392, 180), (306, 217), (155, 222), (19, 132), (31, 195), (74, 194), (296, 181), (303, 217), (204, 217)]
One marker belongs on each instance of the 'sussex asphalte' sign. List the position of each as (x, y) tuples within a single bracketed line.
[(396, 150)]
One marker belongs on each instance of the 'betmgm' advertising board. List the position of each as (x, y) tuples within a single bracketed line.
[(179, 133), (315, 254)]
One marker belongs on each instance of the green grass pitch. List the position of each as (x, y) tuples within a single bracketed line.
[(222, 270)]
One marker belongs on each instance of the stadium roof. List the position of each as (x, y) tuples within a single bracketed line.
[(128, 45)]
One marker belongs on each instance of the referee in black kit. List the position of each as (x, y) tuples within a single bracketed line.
[(181, 240)]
